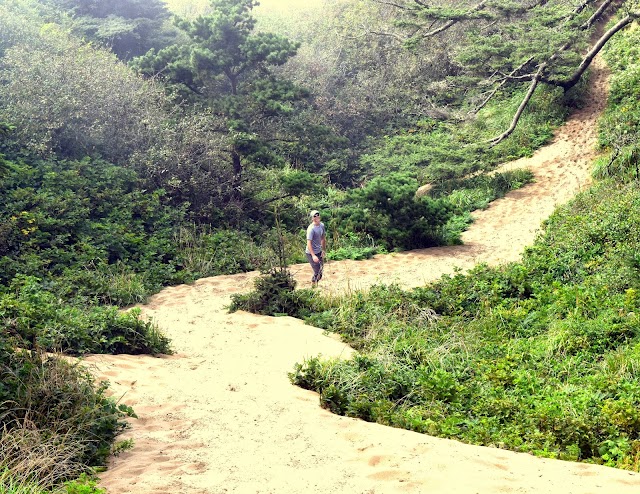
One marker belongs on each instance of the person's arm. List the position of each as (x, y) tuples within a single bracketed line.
[(310, 249), (323, 243)]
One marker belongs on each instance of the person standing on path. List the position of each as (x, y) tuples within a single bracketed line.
[(316, 245)]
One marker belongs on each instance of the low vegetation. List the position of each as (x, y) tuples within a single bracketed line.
[(57, 422), (539, 356), (136, 154)]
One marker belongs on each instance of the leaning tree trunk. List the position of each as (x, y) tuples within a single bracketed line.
[(588, 58)]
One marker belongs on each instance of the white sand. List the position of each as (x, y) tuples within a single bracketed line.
[(222, 417)]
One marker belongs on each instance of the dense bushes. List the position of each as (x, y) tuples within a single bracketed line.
[(539, 356), (387, 214), (57, 420), (388, 210), (98, 236), (274, 295), (84, 101), (441, 151), (514, 357), (620, 126), (38, 319), (70, 214)]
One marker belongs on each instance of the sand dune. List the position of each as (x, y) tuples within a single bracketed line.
[(220, 416)]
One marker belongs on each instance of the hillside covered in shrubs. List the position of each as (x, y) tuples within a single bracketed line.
[(139, 149), (540, 356)]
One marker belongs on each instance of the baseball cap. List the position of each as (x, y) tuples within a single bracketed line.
[(313, 213)]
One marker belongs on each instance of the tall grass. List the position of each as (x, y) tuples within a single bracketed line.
[(203, 251), (56, 407), (35, 460)]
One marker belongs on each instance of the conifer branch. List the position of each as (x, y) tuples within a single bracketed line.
[(502, 83), (454, 21), (588, 58), (523, 105)]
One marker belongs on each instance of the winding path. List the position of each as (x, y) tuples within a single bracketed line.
[(222, 417)]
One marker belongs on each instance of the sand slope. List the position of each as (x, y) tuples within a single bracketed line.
[(222, 417)]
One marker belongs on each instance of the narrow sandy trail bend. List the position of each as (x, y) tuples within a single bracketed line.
[(221, 416)]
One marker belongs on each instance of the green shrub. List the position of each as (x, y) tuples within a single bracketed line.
[(386, 214), (86, 222), (387, 210), (83, 485), (353, 246), (39, 319), (60, 404), (538, 356), (275, 294)]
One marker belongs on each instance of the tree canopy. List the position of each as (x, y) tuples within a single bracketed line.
[(504, 43), (226, 67), (128, 27)]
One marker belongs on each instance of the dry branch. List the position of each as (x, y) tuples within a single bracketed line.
[(501, 84), (523, 105)]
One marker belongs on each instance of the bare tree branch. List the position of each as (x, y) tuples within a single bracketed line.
[(597, 14), (583, 6), (523, 105), (502, 83), (588, 58), (442, 28), (392, 4), (614, 156), (520, 78), (380, 33)]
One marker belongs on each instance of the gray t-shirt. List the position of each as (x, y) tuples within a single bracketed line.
[(315, 234)]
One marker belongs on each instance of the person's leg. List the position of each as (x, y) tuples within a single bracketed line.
[(315, 266), (320, 268)]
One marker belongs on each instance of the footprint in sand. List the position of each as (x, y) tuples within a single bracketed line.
[(390, 475), (374, 460)]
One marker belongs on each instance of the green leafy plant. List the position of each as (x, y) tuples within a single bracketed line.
[(38, 319), (537, 356), (61, 398), (274, 294), (387, 210), (353, 246)]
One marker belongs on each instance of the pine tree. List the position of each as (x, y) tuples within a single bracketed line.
[(226, 66), (503, 43), (128, 27)]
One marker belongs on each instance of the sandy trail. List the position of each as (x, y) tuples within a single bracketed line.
[(222, 417)]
